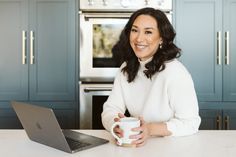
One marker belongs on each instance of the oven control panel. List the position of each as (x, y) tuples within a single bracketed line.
[(123, 5)]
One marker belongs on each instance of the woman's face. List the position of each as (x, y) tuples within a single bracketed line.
[(145, 37)]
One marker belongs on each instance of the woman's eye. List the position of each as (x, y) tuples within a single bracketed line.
[(148, 32), (133, 30)]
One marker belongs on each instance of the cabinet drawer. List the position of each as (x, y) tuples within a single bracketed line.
[(66, 117)]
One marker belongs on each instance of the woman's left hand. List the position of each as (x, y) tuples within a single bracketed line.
[(144, 133)]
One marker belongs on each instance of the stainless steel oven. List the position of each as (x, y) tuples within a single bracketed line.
[(99, 32), (92, 97), (101, 22)]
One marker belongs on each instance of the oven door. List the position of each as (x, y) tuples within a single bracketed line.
[(92, 98), (98, 33)]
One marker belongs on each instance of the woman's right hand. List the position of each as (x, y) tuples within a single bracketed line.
[(117, 129)]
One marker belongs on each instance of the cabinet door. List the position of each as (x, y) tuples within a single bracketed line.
[(8, 118), (65, 118), (229, 119), (211, 119), (64, 111), (230, 50), (197, 24), (52, 72), (13, 72)]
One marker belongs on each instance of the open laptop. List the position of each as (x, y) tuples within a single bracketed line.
[(41, 126)]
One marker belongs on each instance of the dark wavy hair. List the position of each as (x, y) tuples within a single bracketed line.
[(123, 52)]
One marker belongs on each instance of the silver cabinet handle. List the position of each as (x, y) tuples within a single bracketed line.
[(227, 48), (24, 47), (31, 47), (218, 55)]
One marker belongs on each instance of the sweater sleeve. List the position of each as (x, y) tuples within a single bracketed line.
[(114, 104), (183, 101)]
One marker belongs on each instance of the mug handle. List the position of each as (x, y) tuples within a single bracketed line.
[(119, 141)]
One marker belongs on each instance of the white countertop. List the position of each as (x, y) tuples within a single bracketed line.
[(15, 143)]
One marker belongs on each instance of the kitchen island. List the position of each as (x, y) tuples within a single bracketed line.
[(15, 143)]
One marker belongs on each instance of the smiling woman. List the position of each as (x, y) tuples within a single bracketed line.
[(151, 83), (145, 37), (100, 28)]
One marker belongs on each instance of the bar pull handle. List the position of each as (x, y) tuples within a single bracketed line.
[(227, 48), (97, 89), (226, 122), (31, 47), (218, 123), (218, 55), (24, 47), (88, 16)]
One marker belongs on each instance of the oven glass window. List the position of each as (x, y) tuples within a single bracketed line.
[(104, 38), (97, 108), (97, 102)]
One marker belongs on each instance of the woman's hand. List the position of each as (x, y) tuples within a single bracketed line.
[(144, 133), (117, 129)]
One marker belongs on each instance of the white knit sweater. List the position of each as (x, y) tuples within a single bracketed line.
[(168, 97)]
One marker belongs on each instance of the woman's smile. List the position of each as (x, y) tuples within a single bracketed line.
[(145, 37), (140, 47)]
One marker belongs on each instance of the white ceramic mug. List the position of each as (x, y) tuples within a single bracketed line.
[(126, 124)]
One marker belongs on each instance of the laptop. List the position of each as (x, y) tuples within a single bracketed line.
[(41, 126)]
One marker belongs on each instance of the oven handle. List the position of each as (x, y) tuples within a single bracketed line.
[(120, 15), (97, 89), (88, 16)]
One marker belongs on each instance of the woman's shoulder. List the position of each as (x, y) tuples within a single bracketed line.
[(175, 67), (121, 67), (120, 73)]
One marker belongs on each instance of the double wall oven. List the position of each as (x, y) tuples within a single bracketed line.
[(101, 22)]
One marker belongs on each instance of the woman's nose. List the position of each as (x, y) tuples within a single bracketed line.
[(140, 37)]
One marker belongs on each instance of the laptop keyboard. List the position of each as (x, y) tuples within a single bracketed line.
[(76, 144)]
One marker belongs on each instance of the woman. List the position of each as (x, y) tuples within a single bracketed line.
[(151, 83)]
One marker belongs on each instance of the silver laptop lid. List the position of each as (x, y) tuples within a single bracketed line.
[(41, 125)]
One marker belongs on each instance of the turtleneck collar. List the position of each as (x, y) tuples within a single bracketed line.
[(142, 63)]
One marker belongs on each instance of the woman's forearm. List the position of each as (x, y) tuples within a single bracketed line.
[(158, 129)]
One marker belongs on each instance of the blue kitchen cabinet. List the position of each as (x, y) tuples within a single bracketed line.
[(38, 57), (207, 36), (65, 113), (13, 73), (211, 119), (229, 119), (52, 63), (229, 50), (216, 119), (197, 24)]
